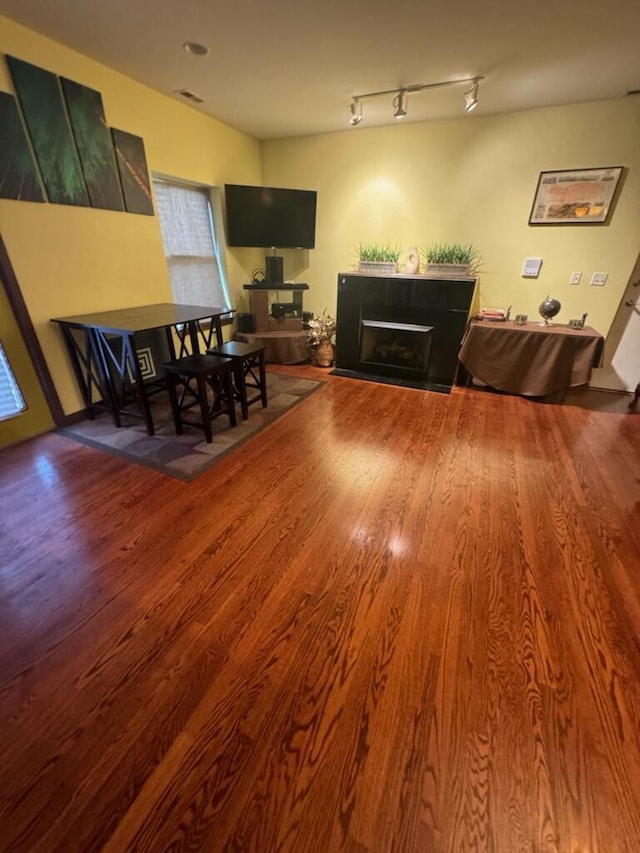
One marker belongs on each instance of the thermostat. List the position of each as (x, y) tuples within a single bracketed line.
[(531, 267)]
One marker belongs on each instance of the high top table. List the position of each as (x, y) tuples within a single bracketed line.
[(533, 359), (118, 353)]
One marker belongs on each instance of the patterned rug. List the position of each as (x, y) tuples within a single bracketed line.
[(188, 455)]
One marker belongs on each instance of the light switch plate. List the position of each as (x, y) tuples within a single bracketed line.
[(599, 278), (531, 267), (575, 277)]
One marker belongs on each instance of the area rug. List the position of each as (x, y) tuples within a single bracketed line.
[(188, 455)]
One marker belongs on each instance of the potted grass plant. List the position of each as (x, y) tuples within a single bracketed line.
[(378, 258), (452, 259)]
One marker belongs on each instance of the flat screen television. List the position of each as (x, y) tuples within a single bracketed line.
[(270, 217)]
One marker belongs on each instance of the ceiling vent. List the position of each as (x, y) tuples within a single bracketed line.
[(189, 95)]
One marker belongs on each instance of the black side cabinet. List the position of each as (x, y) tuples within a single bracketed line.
[(407, 327)]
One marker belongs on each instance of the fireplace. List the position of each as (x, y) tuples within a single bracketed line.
[(403, 347), (402, 328)]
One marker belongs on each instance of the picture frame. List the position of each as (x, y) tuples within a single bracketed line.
[(575, 196)]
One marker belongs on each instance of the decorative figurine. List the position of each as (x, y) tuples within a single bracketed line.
[(412, 264), (577, 324)]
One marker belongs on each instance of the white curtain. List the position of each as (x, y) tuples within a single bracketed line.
[(11, 400), (189, 244)]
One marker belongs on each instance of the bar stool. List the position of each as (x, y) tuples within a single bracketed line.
[(207, 371), (248, 372)]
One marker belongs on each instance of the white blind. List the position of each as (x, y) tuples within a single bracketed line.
[(11, 400), (189, 244)]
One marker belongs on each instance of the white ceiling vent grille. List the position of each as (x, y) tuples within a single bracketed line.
[(189, 95)]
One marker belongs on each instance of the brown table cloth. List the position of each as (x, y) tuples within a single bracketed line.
[(532, 360)]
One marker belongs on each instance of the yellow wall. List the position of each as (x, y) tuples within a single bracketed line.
[(471, 179), (70, 260)]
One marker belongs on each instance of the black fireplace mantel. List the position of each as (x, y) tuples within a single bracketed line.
[(419, 322)]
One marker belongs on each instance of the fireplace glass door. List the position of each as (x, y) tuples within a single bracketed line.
[(404, 348)]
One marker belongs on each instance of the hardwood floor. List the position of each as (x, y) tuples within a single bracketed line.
[(395, 621)]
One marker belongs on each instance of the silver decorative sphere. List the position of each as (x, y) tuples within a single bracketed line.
[(549, 308)]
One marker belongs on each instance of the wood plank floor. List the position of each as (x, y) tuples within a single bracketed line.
[(395, 621)]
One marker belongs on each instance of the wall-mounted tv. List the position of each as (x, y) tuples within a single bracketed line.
[(270, 217)]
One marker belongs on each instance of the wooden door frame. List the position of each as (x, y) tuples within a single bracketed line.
[(21, 314)]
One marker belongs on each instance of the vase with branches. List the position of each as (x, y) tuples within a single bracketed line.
[(320, 337)]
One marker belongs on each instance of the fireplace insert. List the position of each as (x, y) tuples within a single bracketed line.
[(403, 346)]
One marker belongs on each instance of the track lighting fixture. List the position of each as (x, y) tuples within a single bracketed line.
[(471, 98), (399, 105), (400, 99), (356, 112)]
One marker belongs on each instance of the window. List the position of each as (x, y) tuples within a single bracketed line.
[(195, 263), (11, 400)]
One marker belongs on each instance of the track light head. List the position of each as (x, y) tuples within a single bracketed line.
[(400, 104), (356, 112), (471, 98)]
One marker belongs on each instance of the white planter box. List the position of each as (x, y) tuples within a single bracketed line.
[(448, 270), (378, 267)]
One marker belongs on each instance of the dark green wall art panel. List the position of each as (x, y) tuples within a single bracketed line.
[(78, 160), (132, 165), (95, 147), (18, 173), (44, 113)]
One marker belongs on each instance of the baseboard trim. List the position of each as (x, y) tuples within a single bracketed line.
[(391, 380)]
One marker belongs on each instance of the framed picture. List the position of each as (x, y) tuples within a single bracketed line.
[(577, 196)]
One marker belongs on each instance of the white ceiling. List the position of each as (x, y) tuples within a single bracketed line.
[(290, 67)]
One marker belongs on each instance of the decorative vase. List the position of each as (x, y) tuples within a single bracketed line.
[(324, 354), (412, 264)]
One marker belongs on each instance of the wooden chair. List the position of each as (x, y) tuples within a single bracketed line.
[(197, 374), (248, 372)]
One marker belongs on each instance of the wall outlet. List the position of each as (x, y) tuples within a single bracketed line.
[(599, 278), (531, 267), (575, 277)]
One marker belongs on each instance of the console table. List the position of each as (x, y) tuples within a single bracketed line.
[(532, 360), (279, 347), (283, 336)]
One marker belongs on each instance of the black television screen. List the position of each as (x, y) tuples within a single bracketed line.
[(270, 217)]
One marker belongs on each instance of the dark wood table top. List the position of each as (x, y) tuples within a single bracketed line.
[(143, 317)]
